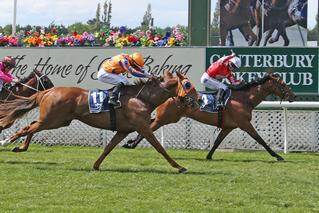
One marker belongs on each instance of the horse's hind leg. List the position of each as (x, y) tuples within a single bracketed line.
[(248, 127), (28, 130), (217, 142), (25, 145), (117, 138)]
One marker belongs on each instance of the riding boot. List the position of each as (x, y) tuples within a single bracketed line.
[(220, 98), (115, 95)]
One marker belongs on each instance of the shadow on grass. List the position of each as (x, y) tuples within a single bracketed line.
[(150, 170), (29, 162)]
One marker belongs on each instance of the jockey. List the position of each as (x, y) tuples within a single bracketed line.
[(112, 72), (222, 68), (6, 65), (298, 10)]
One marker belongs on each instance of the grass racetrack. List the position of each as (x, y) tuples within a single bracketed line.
[(61, 179)]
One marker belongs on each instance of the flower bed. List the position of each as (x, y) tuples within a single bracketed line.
[(119, 38)]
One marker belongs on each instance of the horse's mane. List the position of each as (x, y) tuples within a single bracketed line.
[(30, 76), (257, 81)]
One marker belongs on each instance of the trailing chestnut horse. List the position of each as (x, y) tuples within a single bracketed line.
[(34, 82), (237, 114), (236, 14), (60, 105), (27, 86)]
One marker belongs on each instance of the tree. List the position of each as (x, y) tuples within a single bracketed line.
[(97, 17), (109, 16), (7, 30), (106, 16), (215, 24), (147, 18)]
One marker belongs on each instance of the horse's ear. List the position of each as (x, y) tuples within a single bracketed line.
[(168, 74), (179, 75), (269, 71)]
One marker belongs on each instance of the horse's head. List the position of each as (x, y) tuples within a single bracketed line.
[(180, 86), (279, 88), (232, 5), (36, 81)]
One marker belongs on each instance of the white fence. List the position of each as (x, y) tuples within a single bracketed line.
[(285, 127)]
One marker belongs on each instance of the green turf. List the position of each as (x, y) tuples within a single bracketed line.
[(61, 179)]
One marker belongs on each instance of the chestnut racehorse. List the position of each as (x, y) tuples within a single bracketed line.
[(26, 87), (60, 105), (237, 114), (34, 82)]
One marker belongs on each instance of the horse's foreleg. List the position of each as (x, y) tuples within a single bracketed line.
[(268, 35), (223, 34), (150, 137), (283, 33), (133, 143), (117, 138), (217, 142), (248, 127)]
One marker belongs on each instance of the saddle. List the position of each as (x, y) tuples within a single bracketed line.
[(209, 100)]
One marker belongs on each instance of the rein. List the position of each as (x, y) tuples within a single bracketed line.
[(39, 83)]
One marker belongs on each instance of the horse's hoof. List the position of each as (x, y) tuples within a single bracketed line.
[(182, 170), (128, 146), (96, 168), (279, 158), (17, 149), (209, 157)]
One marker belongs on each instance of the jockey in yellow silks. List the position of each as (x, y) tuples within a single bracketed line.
[(112, 72)]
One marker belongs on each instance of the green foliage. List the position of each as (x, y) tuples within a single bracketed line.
[(60, 179), (79, 27), (7, 29)]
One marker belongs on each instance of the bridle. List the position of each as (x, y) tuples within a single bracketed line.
[(281, 88), (39, 84), (189, 101)]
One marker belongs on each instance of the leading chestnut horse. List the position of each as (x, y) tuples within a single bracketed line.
[(237, 114), (60, 105)]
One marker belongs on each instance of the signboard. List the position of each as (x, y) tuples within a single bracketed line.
[(298, 67), (79, 66)]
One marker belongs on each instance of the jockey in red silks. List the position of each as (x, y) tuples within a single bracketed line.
[(222, 68), (112, 72), (6, 65)]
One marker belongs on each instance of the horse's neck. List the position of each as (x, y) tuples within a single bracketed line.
[(255, 95), (145, 94)]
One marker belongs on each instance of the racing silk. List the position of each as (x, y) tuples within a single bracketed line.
[(219, 69), (5, 76), (120, 64)]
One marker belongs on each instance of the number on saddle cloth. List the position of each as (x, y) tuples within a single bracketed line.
[(209, 101), (98, 101)]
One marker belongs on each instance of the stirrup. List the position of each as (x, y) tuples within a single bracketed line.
[(115, 103)]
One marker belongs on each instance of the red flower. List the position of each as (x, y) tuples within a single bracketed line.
[(132, 39)]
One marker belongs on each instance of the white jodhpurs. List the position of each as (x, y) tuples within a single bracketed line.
[(212, 83), (111, 78), (1, 85)]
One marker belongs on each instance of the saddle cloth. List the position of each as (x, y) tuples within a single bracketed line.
[(209, 101), (98, 101)]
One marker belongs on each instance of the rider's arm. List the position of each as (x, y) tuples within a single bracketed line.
[(226, 58), (6, 77), (137, 72)]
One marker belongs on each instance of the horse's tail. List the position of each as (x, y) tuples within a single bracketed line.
[(12, 110)]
